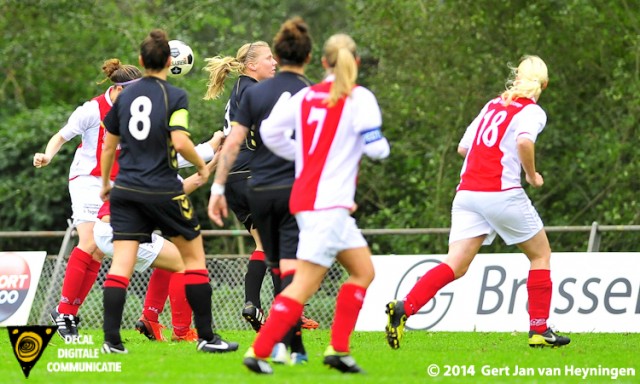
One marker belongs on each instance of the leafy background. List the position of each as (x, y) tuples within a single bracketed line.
[(432, 65)]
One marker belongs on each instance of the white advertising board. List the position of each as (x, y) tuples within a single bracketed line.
[(592, 292), (19, 276)]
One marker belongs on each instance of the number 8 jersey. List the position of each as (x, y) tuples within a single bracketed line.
[(143, 116), (492, 163)]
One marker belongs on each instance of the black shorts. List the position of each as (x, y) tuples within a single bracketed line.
[(135, 215), (277, 226), (238, 200)]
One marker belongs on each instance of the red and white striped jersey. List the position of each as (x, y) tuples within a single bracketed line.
[(86, 120), (329, 143), (492, 162)]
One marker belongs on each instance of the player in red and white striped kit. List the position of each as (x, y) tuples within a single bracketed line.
[(84, 187), (335, 123), (490, 200)]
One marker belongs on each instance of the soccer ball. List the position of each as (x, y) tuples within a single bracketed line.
[(181, 58)]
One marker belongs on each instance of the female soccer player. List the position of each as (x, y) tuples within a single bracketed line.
[(253, 62), (271, 176), (84, 187), (335, 123), (498, 144), (167, 278), (150, 122)]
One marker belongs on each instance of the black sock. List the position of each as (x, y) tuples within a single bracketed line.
[(256, 269), (199, 298), (291, 334), (277, 283), (113, 306), (296, 339)]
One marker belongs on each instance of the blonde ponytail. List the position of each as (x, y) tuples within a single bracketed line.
[(528, 80), (340, 55)]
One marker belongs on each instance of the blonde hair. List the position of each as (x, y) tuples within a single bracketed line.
[(528, 79), (219, 67), (340, 55), (117, 72)]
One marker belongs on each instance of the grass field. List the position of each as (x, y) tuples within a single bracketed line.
[(459, 357)]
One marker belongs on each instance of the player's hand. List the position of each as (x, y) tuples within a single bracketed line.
[(41, 160), (105, 192), (353, 208), (204, 173), (217, 208), (536, 181)]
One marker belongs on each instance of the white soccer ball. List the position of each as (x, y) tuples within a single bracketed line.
[(181, 58)]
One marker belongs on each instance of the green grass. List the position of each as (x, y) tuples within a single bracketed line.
[(151, 362)]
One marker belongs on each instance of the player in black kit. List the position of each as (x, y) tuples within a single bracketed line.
[(271, 176), (150, 122)]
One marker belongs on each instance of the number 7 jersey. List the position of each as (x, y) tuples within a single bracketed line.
[(492, 163)]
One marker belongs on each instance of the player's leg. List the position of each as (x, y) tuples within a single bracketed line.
[(357, 262), (198, 292), (115, 291), (168, 258), (539, 288), (285, 313), (82, 267)]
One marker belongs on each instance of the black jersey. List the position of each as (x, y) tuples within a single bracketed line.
[(241, 165), (268, 169), (143, 116)]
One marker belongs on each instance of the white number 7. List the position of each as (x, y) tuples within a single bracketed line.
[(316, 115)]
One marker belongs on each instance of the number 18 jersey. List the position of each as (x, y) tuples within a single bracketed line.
[(492, 163)]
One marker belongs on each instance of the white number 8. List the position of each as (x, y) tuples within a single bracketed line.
[(140, 123)]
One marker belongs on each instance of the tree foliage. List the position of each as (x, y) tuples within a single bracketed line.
[(432, 65)]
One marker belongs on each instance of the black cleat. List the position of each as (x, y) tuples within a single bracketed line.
[(255, 364), (547, 339), (396, 318), (216, 345), (67, 324), (254, 315), (108, 348), (343, 362)]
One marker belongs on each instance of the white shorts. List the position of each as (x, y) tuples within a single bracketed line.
[(147, 252), (510, 214), (85, 198), (325, 233)]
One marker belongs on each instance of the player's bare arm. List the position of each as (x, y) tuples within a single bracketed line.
[(53, 146), (107, 158), (184, 146), (526, 152)]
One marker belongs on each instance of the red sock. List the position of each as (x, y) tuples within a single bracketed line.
[(348, 305), (157, 292), (284, 314), (90, 277), (77, 266), (539, 289), (196, 276), (116, 281), (257, 255), (427, 287), (180, 309)]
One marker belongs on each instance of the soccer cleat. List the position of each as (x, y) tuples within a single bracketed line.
[(108, 348), (308, 323), (151, 329), (547, 339), (67, 324), (396, 318), (216, 345), (279, 354), (254, 315), (256, 364), (299, 359), (191, 335), (341, 361)]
